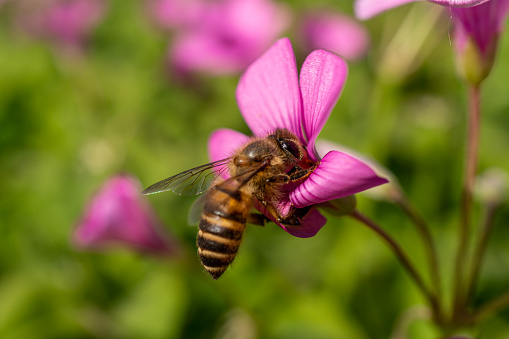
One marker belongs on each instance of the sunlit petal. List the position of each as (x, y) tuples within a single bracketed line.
[(268, 93), (365, 9), (321, 80), (382, 192)]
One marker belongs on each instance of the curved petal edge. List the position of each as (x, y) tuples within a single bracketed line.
[(311, 223), (338, 175), (366, 9)]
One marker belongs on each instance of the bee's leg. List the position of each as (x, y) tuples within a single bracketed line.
[(280, 179), (299, 173), (294, 174), (271, 210), (293, 218), (257, 219)]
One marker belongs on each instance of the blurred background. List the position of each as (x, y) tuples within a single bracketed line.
[(87, 96)]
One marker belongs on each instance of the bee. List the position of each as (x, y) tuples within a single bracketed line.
[(260, 172)]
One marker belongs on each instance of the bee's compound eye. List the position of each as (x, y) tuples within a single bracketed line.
[(290, 146)]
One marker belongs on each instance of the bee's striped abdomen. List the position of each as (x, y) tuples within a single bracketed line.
[(221, 226)]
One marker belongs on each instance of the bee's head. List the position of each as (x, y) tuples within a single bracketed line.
[(295, 152), (281, 148), (287, 142), (256, 152)]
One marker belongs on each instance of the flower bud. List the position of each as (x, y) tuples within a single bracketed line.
[(474, 65), (476, 32)]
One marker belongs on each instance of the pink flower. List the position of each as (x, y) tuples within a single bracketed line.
[(119, 215), (172, 14), (476, 32), (336, 33), (225, 36), (270, 95), (68, 23), (365, 9)]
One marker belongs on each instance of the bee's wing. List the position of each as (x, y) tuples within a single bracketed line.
[(195, 212), (191, 182), (233, 183)]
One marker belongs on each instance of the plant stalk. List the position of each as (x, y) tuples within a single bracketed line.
[(491, 307), (403, 259), (480, 249), (429, 245), (472, 148)]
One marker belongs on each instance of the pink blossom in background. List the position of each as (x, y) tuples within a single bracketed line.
[(119, 215), (365, 9), (476, 33), (337, 33), (172, 14), (271, 95), (66, 22), (227, 36)]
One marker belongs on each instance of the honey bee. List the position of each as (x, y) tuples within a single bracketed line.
[(259, 172)]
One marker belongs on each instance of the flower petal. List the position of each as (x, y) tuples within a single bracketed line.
[(384, 192), (482, 23), (322, 78), (325, 146), (268, 93), (311, 223), (365, 9), (338, 175), (223, 142)]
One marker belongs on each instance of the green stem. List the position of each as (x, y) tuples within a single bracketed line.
[(480, 249), (472, 146), (492, 306), (402, 257), (425, 234)]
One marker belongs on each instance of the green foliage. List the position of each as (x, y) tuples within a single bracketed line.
[(68, 122)]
